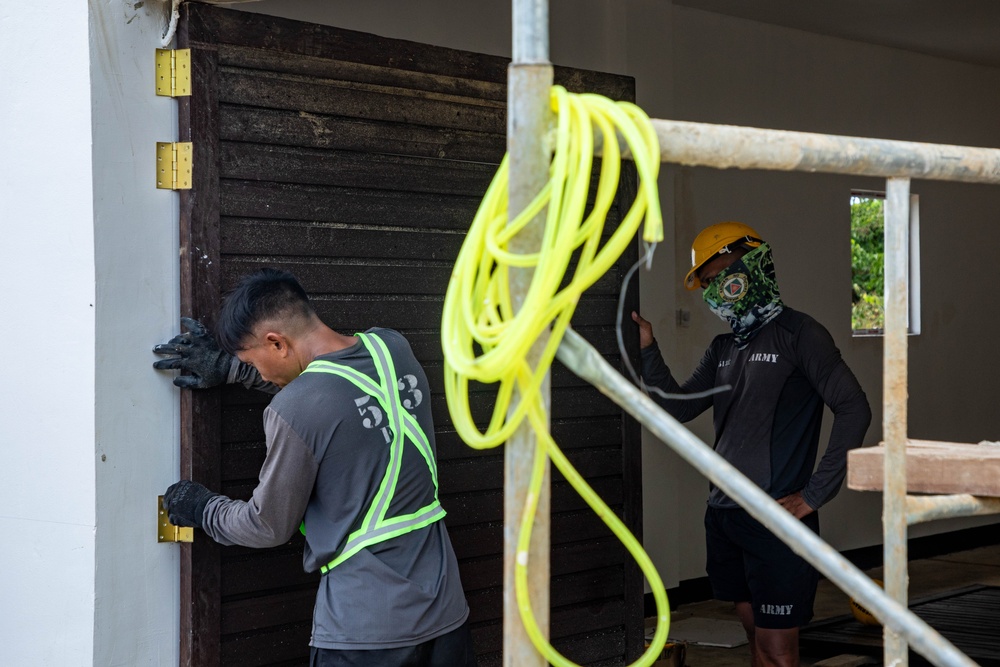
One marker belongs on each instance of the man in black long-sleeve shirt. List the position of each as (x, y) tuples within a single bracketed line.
[(782, 366)]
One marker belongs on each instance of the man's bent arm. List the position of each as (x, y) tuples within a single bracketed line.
[(274, 513), (841, 391), (655, 373)]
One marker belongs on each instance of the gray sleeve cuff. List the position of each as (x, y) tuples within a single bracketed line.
[(247, 375), (234, 370), (807, 497), (210, 509)]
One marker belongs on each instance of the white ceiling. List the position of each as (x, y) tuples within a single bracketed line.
[(966, 30)]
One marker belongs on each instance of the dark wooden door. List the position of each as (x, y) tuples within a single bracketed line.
[(357, 162)]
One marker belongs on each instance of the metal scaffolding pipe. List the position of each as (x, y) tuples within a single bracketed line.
[(586, 362), (894, 419), (932, 508), (528, 118), (729, 146), (531, 33)]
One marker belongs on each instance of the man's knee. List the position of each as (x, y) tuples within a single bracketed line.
[(778, 647)]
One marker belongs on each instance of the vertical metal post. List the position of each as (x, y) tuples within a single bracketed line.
[(894, 395), (528, 118)]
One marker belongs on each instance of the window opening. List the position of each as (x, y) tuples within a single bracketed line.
[(868, 264)]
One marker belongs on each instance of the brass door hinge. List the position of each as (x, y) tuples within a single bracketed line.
[(173, 72), (173, 165), (168, 532)]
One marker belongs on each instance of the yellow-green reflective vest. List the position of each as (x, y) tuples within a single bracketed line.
[(403, 426)]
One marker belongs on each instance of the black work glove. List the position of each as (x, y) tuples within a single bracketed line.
[(197, 353), (185, 503)]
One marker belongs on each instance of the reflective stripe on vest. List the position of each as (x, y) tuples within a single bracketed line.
[(375, 527)]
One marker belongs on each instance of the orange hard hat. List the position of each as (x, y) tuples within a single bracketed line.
[(715, 239)]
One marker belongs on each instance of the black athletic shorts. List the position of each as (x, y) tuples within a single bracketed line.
[(453, 649), (747, 563)]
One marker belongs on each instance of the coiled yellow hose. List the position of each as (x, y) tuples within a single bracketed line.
[(479, 312)]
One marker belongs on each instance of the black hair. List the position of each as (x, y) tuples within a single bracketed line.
[(262, 295)]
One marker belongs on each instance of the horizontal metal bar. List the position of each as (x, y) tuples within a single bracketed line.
[(730, 146), (930, 508), (586, 362)]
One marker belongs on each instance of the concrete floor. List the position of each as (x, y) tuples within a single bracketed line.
[(927, 577)]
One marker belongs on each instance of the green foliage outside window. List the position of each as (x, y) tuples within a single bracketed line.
[(867, 263)]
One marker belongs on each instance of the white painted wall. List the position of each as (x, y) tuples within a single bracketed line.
[(136, 452), (89, 431), (47, 399)]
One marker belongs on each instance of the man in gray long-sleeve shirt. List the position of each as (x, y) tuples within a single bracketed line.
[(782, 366), (350, 457)]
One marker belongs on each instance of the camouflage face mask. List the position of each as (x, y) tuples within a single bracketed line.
[(746, 294)]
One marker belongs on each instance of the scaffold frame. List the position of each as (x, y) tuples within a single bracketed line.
[(728, 147)]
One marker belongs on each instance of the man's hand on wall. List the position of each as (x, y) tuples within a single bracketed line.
[(196, 353), (645, 330), (185, 503)]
